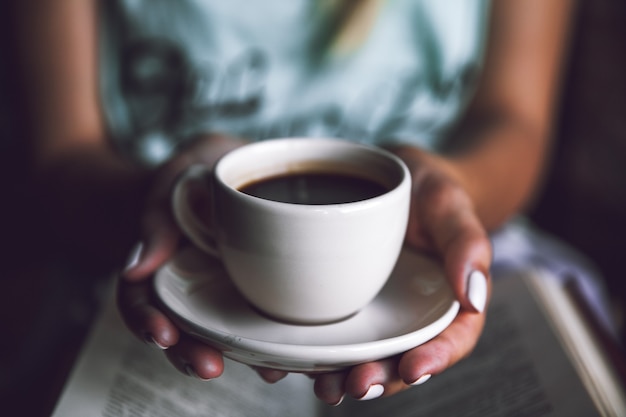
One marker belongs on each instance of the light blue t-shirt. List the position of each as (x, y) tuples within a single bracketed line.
[(375, 71)]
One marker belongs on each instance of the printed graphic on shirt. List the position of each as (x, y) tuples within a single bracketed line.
[(371, 70)]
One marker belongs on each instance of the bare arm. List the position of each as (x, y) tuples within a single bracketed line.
[(93, 195), (99, 203), (512, 115), (59, 57)]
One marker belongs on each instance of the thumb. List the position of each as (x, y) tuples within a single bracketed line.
[(160, 238)]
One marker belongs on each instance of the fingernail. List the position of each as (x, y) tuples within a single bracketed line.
[(133, 258), (374, 391), (340, 401), (421, 379), (191, 372), (477, 290), (151, 341)]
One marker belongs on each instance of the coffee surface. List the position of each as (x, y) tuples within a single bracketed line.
[(314, 188)]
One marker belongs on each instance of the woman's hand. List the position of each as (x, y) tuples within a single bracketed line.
[(159, 241), (442, 222)]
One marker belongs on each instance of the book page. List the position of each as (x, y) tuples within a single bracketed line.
[(119, 376), (595, 371), (518, 368)]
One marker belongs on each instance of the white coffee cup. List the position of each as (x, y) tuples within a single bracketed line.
[(303, 263)]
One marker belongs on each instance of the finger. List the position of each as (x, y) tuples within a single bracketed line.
[(160, 234), (145, 321), (447, 217), (392, 375), (270, 376), (363, 382), (374, 379), (160, 238), (467, 258), (196, 359), (440, 353), (330, 387)]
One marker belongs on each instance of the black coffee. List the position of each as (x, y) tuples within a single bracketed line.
[(314, 188)]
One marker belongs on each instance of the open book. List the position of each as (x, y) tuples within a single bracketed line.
[(536, 357)]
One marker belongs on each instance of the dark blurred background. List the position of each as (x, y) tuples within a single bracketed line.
[(45, 309), (584, 198), (46, 303)]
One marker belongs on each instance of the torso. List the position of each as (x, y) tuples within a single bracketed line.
[(395, 70)]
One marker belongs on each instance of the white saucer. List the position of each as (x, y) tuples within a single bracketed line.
[(416, 305)]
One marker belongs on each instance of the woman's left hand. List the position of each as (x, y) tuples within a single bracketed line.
[(442, 222)]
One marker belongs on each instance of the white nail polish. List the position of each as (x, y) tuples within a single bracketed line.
[(152, 341), (374, 391), (340, 401), (421, 379), (135, 255), (477, 290)]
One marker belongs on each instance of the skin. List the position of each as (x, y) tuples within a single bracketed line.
[(458, 197)]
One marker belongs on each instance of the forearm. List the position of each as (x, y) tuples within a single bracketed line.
[(89, 195), (503, 168), (509, 125), (93, 199)]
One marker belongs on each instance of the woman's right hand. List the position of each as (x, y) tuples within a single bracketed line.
[(159, 241)]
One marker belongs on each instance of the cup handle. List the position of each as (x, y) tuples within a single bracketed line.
[(201, 235)]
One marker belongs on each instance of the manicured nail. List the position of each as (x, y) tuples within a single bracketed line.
[(477, 290), (340, 401), (191, 372), (374, 391), (151, 341), (134, 257), (421, 379)]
